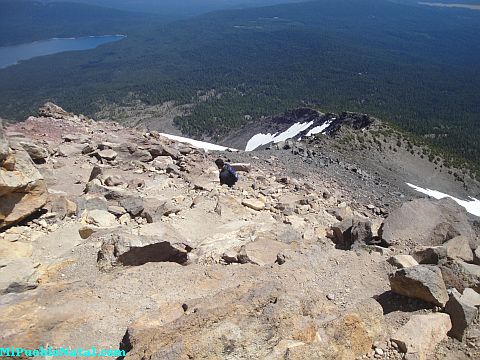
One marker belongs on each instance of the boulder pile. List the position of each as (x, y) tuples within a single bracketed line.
[(128, 237)]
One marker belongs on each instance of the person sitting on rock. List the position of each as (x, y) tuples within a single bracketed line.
[(227, 175)]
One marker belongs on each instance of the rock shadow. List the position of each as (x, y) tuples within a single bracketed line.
[(392, 302)]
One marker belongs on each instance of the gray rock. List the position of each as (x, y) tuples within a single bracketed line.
[(142, 155), (261, 252), (91, 202), (462, 275), (36, 153), (136, 183), (165, 150), (352, 233), (476, 256), (61, 206), (459, 248), (100, 218), (461, 313), (230, 257), (116, 210), (17, 276), (361, 232), (4, 148), (254, 204), (422, 282), (471, 297), (341, 213), (162, 162), (402, 261), (107, 154), (109, 192), (154, 209), (421, 334), (133, 205), (95, 173), (114, 181), (287, 235), (342, 233), (286, 209), (88, 149), (427, 222), (430, 254), (134, 250)]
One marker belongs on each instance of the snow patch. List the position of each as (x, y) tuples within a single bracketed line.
[(319, 129), (196, 143), (263, 139), (259, 140), (472, 206)]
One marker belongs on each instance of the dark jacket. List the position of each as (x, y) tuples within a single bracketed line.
[(228, 176)]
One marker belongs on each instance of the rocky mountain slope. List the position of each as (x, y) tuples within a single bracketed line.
[(121, 239)]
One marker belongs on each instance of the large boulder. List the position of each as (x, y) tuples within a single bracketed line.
[(427, 222), (159, 243), (22, 187), (422, 282), (421, 334)]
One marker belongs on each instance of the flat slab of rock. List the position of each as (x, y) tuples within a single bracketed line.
[(422, 282), (421, 334), (100, 218), (402, 261), (107, 154), (261, 252), (254, 204), (156, 242)]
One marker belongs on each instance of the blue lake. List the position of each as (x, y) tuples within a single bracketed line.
[(11, 55)]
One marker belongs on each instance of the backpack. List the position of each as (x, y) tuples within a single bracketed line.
[(232, 171)]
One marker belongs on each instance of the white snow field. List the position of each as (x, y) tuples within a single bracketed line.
[(472, 206), (196, 143)]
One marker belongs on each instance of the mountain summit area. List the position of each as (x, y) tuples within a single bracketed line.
[(327, 247)]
